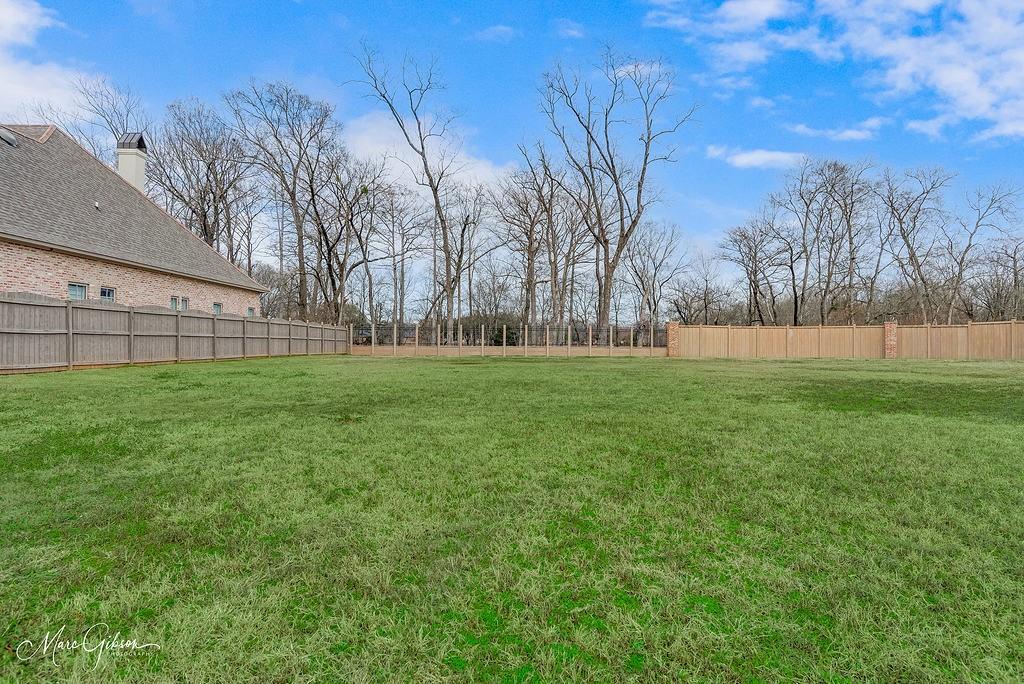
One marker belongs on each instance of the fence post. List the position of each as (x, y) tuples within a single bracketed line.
[(547, 340), (631, 341), (968, 340), (214, 337), (928, 333), (177, 337), (71, 336), (307, 339), (654, 330), (289, 336), (853, 339), (394, 339), (1013, 339), (700, 339), (504, 333), (728, 341), (526, 339), (787, 341), (416, 342), (611, 339), (891, 340), (131, 335), (568, 341), (351, 337), (373, 337), (245, 355), (481, 340), (590, 340), (437, 338), (460, 338)]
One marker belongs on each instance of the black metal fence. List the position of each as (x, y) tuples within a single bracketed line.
[(573, 335)]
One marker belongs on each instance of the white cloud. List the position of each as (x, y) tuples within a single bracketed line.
[(960, 58), (567, 28), (27, 82), (865, 130), (759, 102), (732, 16), (751, 15), (754, 159), (375, 134), (739, 55), (499, 33)]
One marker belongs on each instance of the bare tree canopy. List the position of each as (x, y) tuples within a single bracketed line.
[(565, 233)]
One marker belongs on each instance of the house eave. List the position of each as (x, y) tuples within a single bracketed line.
[(20, 240)]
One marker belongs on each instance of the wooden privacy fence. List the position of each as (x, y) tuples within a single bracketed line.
[(39, 333), (973, 341)]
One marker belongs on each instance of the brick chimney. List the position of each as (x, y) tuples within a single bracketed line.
[(131, 159)]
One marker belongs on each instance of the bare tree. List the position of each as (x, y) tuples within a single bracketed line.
[(284, 132), (651, 263), (403, 226), (987, 211), (913, 203), (427, 135), (520, 203), (699, 297), (752, 247), (610, 176), (197, 170), (101, 113), (851, 192)]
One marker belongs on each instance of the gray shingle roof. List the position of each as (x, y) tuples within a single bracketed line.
[(49, 189)]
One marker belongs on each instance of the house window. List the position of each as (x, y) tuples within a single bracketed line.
[(184, 303), (217, 308), (250, 312), (174, 303), (77, 291), (107, 294)]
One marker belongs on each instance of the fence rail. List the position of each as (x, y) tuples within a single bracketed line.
[(39, 333), (504, 340), (973, 341)]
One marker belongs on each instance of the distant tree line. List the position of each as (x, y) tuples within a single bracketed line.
[(845, 243), (263, 175)]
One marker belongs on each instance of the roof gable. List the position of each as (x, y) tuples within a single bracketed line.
[(54, 193)]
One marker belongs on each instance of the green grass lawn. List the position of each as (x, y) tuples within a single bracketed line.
[(351, 519)]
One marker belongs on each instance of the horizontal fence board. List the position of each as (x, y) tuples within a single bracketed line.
[(34, 335)]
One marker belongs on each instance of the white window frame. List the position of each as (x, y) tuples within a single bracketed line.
[(218, 308), (250, 312), (113, 294), (84, 286), (174, 304), (184, 303)]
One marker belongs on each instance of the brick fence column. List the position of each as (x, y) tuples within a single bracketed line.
[(890, 340), (672, 341)]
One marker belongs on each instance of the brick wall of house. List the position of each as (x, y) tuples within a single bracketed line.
[(41, 271)]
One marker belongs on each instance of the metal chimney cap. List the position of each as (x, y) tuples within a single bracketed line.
[(131, 141)]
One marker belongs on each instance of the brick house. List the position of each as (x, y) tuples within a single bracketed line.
[(73, 228)]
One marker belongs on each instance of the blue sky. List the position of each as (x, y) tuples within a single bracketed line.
[(902, 82)]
